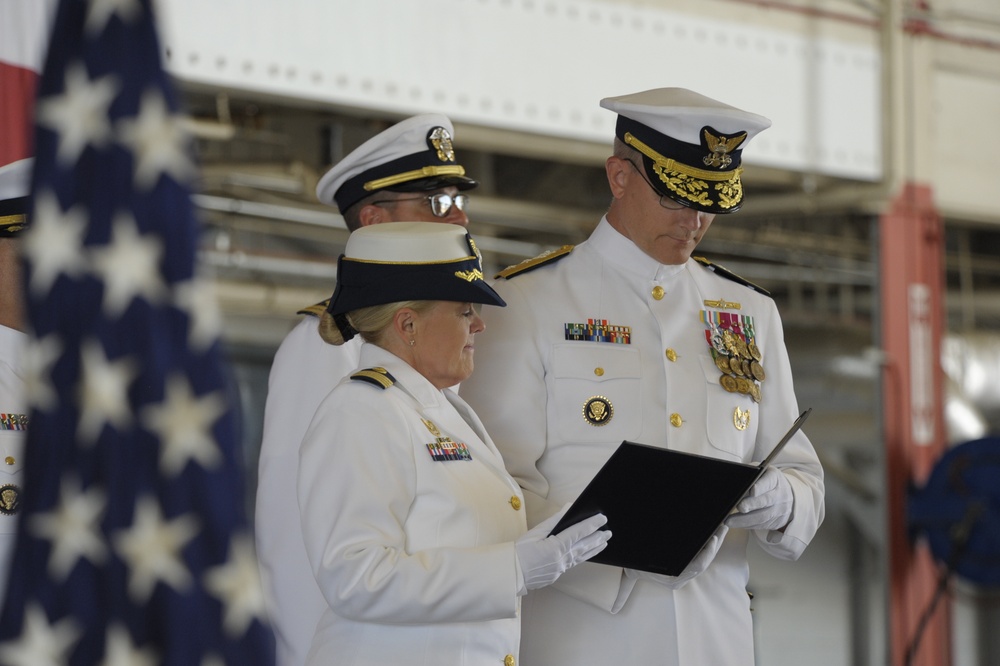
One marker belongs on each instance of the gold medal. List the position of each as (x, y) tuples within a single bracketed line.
[(729, 383), (723, 364), (754, 351), (755, 392), (735, 365), (743, 385), (758, 371)]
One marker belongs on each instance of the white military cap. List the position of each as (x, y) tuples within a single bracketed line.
[(691, 145), (413, 155), (15, 185), (403, 261)]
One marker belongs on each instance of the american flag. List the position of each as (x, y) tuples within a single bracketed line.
[(133, 546)]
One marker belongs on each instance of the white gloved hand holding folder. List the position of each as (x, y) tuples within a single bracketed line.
[(767, 505), (544, 558)]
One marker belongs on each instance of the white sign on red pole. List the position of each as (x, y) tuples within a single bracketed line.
[(922, 361)]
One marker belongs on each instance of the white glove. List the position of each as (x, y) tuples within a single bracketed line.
[(544, 558), (768, 505), (701, 561)]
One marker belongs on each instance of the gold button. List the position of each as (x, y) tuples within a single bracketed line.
[(658, 292), (515, 502), (676, 420), (599, 372), (671, 355), (9, 460), (509, 660)]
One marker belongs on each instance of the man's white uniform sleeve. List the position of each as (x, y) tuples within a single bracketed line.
[(304, 371)]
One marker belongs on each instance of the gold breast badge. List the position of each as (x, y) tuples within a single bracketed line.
[(598, 410), (741, 418)]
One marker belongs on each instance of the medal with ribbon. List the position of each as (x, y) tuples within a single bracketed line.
[(731, 338)]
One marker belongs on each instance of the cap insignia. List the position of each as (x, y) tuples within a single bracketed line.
[(315, 310), (440, 140), (475, 249), (692, 184), (470, 276), (720, 147)]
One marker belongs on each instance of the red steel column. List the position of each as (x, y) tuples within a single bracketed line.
[(912, 323)]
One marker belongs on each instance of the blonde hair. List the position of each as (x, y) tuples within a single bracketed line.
[(371, 323)]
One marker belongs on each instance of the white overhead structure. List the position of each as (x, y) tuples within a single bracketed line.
[(539, 66)]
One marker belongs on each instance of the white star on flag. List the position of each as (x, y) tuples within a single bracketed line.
[(73, 527), (80, 115), (122, 651), (196, 297), (158, 140), (53, 244), (100, 11), (41, 643), (38, 359), (103, 391), (237, 585), (184, 424), (151, 547), (129, 266)]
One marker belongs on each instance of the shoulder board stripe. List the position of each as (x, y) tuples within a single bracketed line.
[(378, 376), (533, 263), (729, 275), (315, 310)]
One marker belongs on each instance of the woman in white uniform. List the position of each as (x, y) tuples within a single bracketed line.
[(414, 531)]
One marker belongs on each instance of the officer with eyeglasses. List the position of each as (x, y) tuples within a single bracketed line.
[(408, 172), (627, 336)]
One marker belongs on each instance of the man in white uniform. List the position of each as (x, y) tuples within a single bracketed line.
[(627, 337), (14, 185), (408, 172)]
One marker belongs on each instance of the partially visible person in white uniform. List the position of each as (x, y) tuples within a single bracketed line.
[(14, 187), (407, 172), (627, 337), (414, 530)]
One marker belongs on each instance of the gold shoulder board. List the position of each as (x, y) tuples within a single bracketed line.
[(729, 275), (530, 264), (315, 310), (377, 376)]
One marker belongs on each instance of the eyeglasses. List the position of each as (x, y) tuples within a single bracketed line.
[(440, 203), (664, 199)]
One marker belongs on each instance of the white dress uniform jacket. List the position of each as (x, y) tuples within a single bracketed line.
[(12, 435), (530, 388), (415, 555), (304, 370)]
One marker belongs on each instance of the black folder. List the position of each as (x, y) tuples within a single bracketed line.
[(663, 506)]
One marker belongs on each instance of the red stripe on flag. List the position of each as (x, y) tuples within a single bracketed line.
[(16, 112)]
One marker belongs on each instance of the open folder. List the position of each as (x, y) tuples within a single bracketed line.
[(663, 506)]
